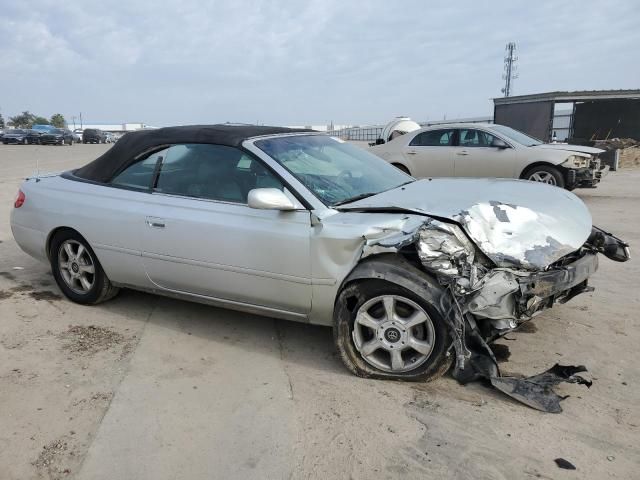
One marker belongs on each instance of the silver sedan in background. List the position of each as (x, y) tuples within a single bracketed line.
[(491, 150)]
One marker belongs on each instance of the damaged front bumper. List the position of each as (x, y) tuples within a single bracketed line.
[(587, 177), (509, 297), (485, 301)]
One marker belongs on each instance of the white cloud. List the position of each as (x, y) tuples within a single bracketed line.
[(302, 62)]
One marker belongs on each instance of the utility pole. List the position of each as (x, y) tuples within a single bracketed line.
[(510, 68)]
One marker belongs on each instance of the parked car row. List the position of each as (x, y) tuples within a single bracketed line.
[(55, 136), (20, 136), (489, 150)]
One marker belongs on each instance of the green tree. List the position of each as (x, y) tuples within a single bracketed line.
[(38, 120), (24, 120), (58, 121), (1, 121)]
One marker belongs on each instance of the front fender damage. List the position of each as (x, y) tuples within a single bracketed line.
[(484, 299)]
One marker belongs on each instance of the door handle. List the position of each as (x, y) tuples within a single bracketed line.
[(463, 152), (155, 222), (412, 153)]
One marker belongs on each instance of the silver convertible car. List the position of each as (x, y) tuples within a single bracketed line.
[(293, 224)]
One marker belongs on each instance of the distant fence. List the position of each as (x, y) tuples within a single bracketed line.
[(371, 133), (364, 134)]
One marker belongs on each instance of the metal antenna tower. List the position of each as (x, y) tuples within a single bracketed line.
[(510, 68)]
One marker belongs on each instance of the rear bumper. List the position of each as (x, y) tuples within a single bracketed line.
[(31, 241)]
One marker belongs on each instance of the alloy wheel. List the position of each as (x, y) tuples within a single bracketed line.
[(76, 266), (393, 333), (543, 177)]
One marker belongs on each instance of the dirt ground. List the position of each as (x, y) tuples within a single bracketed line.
[(147, 387)]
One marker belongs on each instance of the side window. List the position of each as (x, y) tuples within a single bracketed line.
[(433, 138), (475, 138), (214, 172), (140, 174), (486, 139)]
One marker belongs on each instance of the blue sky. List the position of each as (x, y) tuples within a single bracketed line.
[(311, 62)]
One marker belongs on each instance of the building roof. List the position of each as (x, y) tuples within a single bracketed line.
[(131, 145), (575, 96)]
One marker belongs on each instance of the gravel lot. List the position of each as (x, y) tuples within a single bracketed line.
[(146, 387)]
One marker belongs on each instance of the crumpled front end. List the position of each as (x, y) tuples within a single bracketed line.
[(497, 285)]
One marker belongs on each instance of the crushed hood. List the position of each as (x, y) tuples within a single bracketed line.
[(570, 148), (515, 223)]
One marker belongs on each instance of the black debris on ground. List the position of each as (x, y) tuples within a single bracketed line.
[(564, 464)]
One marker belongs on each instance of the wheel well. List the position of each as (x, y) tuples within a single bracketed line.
[(395, 269), (53, 233), (401, 166), (539, 164)]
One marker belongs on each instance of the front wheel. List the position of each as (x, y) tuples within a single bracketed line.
[(545, 174), (77, 270), (382, 330)]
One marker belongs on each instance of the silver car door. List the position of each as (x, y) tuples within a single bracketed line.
[(474, 156), (111, 220), (201, 237), (429, 154)]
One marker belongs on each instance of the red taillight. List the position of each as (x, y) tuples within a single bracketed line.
[(20, 198)]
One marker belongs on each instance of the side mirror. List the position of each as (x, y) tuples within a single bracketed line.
[(499, 143), (269, 199)]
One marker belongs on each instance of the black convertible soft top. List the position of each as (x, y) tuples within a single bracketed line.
[(125, 150)]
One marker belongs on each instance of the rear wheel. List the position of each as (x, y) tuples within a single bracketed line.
[(545, 174), (385, 331), (77, 270)]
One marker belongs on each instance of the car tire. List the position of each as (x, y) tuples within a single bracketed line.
[(401, 167), (364, 297), (77, 271), (545, 174), (71, 142)]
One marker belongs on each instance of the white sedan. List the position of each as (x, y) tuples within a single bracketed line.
[(489, 150)]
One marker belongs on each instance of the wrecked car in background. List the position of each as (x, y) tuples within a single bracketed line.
[(411, 274), (490, 150)]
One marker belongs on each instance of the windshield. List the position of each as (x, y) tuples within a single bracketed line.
[(15, 131), (57, 130), (517, 136), (336, 172)]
